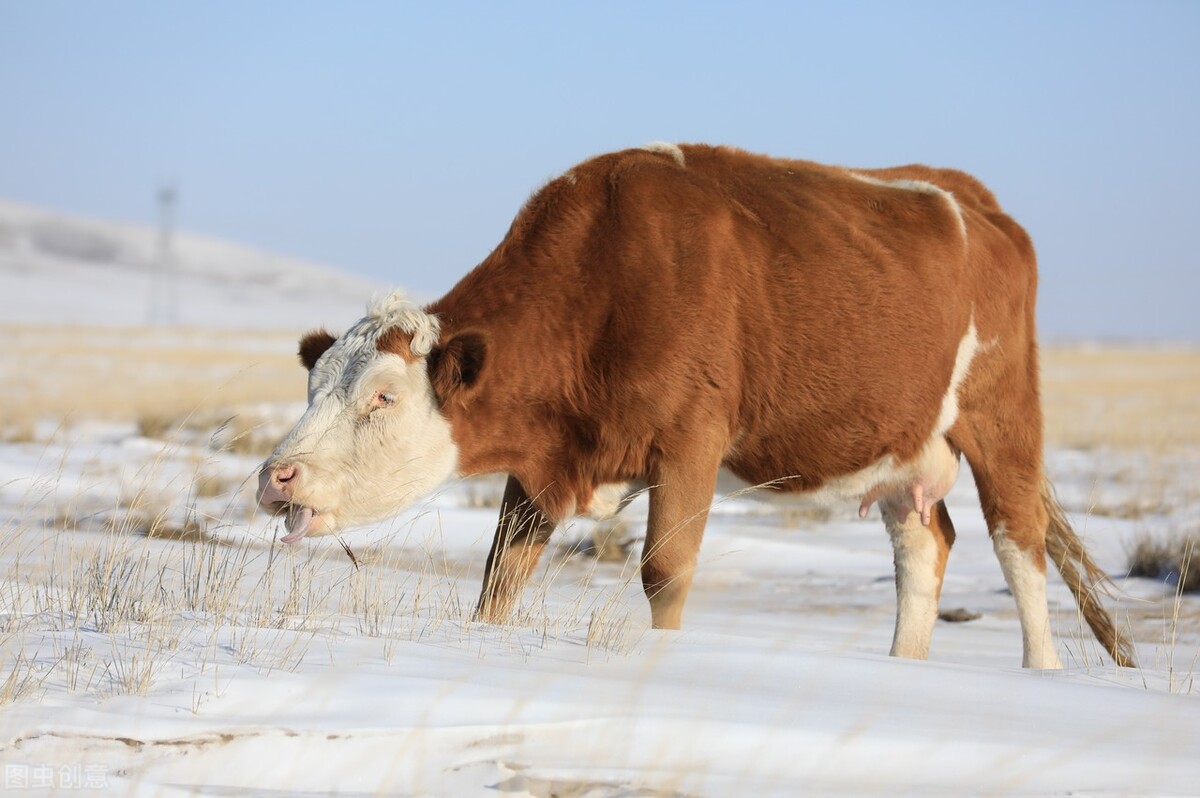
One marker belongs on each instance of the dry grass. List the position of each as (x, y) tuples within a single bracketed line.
[(210, 486), (18, 431), (1122, 397), (155, 575), (155, 377), (1128, 398), (1173, 559), (148, 596), (155, 564), (1137, 410)]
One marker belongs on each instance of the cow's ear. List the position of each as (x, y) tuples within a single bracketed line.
[(313, 345), (455, 366)]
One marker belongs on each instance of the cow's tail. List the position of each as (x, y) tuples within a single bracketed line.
[(1086, 580)]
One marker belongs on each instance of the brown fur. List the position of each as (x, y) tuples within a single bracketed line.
[(738, 297), (640, 295), (397, 342), (647, 320), (313, 345)]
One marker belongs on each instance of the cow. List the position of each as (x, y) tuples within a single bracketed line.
[(657, 314)]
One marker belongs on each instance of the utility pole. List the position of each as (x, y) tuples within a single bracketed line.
[(164, 297)]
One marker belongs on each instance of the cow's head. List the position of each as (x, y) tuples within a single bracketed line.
[(373, 439)]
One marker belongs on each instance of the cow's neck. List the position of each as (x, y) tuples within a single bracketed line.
[(513, 422)]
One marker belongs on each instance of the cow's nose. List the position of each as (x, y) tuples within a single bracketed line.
[(275, 485)]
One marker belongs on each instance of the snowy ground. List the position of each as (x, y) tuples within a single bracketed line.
[(155, 641)]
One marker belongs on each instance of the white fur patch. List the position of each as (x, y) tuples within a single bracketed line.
[(967, 348), (1028, 585), (917, 584), (395, 310), (608, 499), (921, 187), (935, 465), (666, 148)]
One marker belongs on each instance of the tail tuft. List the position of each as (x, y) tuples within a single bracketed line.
[(1070, 557)]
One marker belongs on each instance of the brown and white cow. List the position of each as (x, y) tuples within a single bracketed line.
[(656, 314)]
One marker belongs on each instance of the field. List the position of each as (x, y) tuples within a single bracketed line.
[(154, 639)]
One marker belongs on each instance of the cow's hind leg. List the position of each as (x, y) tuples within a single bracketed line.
[(521, 536), (1023, 560), (1007, 465), (920, 553)]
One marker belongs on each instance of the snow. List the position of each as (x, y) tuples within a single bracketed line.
[(777, 685), (155, 639)]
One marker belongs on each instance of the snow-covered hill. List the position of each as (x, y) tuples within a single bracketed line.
[(57, 268)]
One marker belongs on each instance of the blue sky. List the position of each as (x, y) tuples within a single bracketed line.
[(397, 140)]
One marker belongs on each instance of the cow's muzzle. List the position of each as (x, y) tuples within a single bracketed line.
[(276, 489), (275, 485)]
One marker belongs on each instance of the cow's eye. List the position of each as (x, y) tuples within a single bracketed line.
[(383, 399)]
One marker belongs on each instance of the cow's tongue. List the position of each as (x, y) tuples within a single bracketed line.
[(299, 519)]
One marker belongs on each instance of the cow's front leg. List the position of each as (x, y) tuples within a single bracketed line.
[(679, 500), (521, 536)]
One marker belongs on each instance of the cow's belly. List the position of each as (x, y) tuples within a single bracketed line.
[(920, 480), (935, 470)]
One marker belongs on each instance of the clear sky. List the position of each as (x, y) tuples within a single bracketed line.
[(397, 140)]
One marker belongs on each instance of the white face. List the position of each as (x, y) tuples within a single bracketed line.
[(371, 442)]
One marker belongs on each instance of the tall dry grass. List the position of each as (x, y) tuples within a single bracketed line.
[(1122, 397), (154, 376)]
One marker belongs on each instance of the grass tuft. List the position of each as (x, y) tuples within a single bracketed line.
[(1172, 560), (157, 425)]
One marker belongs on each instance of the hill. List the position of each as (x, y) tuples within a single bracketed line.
[(58, 268)]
